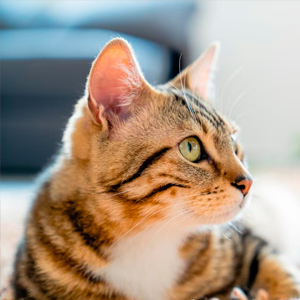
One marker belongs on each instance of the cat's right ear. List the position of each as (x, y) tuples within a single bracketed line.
[(115, 82), (199, 76)]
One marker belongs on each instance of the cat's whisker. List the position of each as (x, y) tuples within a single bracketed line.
[(176, 226), (235, 102), (161, 228), (186, 237), (183, 93), (226, 237), (167, 216), (227, 84), (187, 102), (152, 224), (180, 222), (151, 214), (244, 114), (247, 217), (176, 213), (232, 225)]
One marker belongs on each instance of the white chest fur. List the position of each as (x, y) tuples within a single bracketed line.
[(146, 266)]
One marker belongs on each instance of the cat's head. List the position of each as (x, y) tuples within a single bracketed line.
[(153, 149)]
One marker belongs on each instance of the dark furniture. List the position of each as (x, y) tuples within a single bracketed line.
[(46, 52)]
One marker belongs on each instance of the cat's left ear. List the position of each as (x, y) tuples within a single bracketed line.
[(199, 76), (115, 83)]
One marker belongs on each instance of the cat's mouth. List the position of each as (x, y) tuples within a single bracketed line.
[(227, 215)]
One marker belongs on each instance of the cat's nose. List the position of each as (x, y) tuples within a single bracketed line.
[(243, 184)]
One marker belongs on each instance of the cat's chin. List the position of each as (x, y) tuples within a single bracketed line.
[(225, 217)]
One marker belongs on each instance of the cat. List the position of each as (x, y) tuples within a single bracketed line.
[(137, 203)]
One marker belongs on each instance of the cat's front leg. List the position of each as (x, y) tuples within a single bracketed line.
[(268, 271)]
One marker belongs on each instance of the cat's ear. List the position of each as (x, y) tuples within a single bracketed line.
[(115, 81), (199, 76)]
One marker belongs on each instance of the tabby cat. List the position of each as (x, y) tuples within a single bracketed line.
[(137, 204)]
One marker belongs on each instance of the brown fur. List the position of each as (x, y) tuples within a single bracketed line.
[(89, 201)]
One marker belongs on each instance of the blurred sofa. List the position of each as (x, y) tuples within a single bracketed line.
[(46, 52)]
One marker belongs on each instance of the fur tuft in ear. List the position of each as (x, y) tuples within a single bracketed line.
[(199, 76), (202, 72), (115, 81)]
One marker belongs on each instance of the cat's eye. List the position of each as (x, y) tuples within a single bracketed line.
[(190, 149)]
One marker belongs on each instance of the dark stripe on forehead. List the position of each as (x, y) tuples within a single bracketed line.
[(206, 113), (185, 102), (201, 104), (209, 119), (146, 164)]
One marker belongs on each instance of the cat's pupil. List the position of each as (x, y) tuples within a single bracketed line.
[(189, 146)]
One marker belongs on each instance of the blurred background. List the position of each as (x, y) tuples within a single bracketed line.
[(46, 52)]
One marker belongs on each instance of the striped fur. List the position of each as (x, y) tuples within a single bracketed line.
[(122, 215)]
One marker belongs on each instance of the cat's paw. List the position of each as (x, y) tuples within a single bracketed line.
[(238, 294), (262, 295)]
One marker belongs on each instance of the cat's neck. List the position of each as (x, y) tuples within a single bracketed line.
[(148, 263)]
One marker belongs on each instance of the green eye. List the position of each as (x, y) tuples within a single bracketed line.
[(190, 149)]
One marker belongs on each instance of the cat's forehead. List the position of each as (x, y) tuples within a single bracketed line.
[(200, 110)]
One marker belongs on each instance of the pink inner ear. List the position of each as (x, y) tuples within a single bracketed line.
[(202, 70), (114, 79)]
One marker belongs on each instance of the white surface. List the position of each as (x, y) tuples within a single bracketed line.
[(15, 197)]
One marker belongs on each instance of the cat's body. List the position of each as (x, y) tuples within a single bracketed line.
[(128, 211)]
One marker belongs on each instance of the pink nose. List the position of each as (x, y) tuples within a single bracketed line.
[(244, 185)]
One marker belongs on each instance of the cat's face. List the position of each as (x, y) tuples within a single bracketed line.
[(163, 150)]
